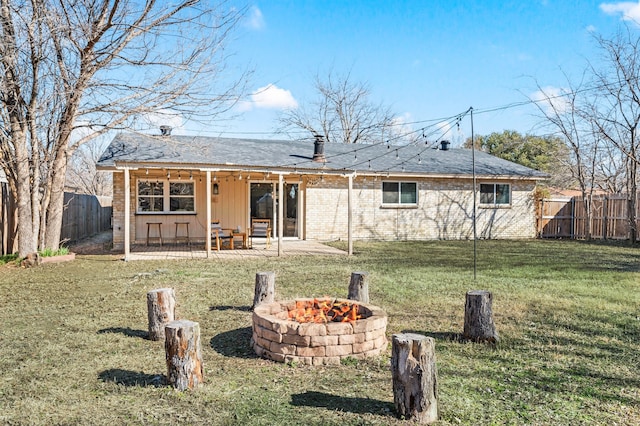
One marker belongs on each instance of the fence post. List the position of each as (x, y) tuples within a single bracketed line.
[(573, 218)]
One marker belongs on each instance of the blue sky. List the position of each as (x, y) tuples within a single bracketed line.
[(425, 59)]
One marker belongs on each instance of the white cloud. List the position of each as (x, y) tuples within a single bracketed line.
[(164, 117), (591, 29), (630, 11), (553, 99), (255, 20), (400, 128), (269, 97), (444, 131)]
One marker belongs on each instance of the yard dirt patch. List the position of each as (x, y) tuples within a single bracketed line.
[(101, 243)]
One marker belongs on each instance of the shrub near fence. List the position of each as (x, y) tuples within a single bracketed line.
[(567, 218)]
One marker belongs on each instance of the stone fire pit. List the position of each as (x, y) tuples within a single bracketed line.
[(281, 339)]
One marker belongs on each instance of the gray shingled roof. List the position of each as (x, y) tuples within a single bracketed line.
[(139, 150)]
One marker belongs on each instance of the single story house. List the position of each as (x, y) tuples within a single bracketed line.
[(314, 190)]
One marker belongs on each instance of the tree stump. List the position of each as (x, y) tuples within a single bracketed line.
[(478, 317), (184, 356), (265, 288), (161, 309), (415, 381), (359, 287)]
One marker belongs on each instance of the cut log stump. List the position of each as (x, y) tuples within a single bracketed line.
[(265, 289), (478, 317), (359, 287), (415, 381), (184, 356), (161, 309)]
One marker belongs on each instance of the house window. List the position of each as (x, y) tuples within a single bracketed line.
[(150, 196), (164, 196), (495, 194), (399, 193), (181, 197)]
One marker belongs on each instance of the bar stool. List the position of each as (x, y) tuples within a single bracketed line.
[(184, 237), (159, 231)]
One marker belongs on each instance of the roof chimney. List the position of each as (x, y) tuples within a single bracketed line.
[(165, 130), (318, 148), (444, 145)]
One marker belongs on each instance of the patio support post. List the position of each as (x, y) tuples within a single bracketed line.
[(350, 216), (280, 212), (127, 213), (208, 203)]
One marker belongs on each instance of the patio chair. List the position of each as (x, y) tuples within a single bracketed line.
[(260, 228), (221, 235)]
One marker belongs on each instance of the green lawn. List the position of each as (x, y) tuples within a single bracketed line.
[(73, 347)]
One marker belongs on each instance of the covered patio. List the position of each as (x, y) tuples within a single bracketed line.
[(197, 251)]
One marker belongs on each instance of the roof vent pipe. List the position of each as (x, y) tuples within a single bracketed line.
[(318, 148), (165, 130), (444, 145)]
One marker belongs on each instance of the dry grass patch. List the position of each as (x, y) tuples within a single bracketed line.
[(74, 349)]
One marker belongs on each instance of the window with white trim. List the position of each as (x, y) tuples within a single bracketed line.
[(164, 196), (400, 193), (495, 194)]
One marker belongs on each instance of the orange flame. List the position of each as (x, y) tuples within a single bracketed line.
[(323, 311)]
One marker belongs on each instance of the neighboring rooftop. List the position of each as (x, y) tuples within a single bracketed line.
[(138, 150)]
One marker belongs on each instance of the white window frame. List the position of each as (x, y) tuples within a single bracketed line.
[(494, 203), (399, 203), (166, 197)]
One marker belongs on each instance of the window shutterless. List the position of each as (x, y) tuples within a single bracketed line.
[(399, 193), (495, 194), (163, 196)]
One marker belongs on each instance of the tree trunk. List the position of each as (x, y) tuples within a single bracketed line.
[(359, 287), (478, 317), (183, 353), (26, 233), (265, 289), (415, 378), (161, 309)]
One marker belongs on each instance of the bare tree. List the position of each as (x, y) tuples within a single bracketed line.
[(73, 70), (569, 118), (616, 108), (342, 112), (82, 175)]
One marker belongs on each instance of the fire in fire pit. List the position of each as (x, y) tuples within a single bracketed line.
[(318, 331), (325, 310)]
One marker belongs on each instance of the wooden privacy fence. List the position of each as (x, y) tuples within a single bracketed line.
[(567, 218), (84, 215), (7, 222)]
